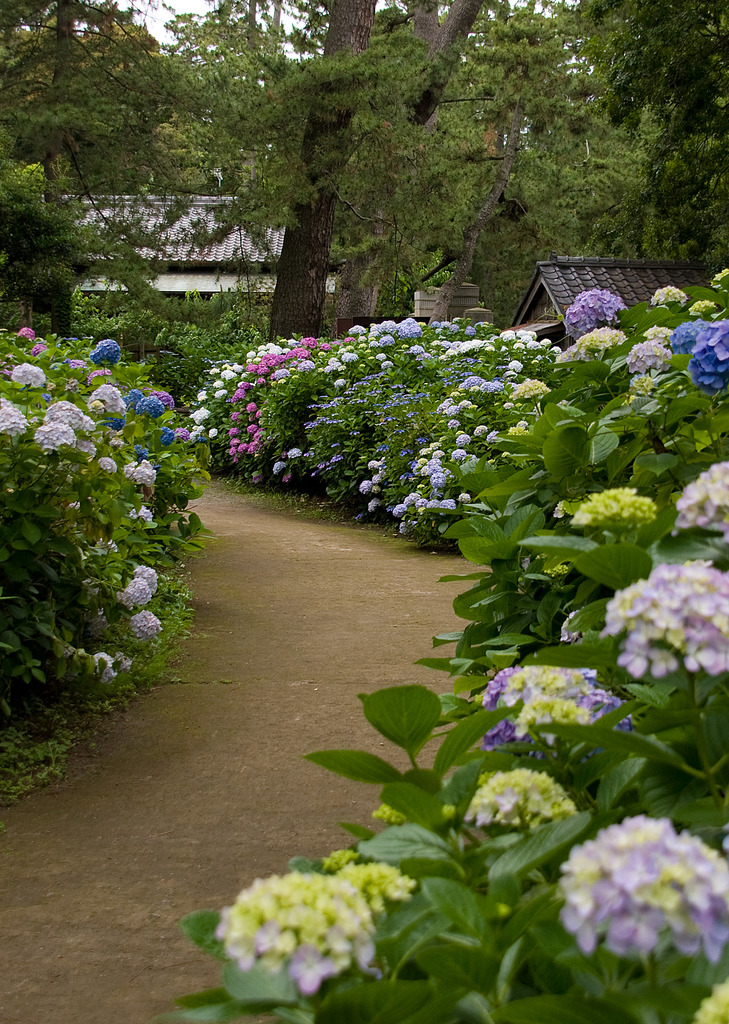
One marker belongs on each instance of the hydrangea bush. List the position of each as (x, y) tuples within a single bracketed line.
[(562, 812), (96, 487)]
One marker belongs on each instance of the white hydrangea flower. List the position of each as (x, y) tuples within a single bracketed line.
[(107, 464), (67, 412), (110, 398), (144, 473), (200, 415)]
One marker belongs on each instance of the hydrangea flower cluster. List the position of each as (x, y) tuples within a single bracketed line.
[(560, 695), (145, 625), (709, 366), (679, 615), (26, 332), (593, 308), (715, 1008), (648, 355), (144, 473), (141, 588), (522, 798), (28, 374), (109, 398), (702, 307), (378, 883), (683, 338), (595, 344), (619, 508), (640, 880), (705, 501), (107, 351), (313, 926), (52, 436), (150, 406), (668, 294), (529, 389), (12, 420)]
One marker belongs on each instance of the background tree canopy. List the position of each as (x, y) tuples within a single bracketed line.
[(404, 144)]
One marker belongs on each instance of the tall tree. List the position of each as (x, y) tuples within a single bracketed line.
[(667, 67)]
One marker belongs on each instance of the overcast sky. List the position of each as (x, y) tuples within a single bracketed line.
[(157, 16)]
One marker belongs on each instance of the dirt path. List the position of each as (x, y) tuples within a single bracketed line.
[(201, 787)]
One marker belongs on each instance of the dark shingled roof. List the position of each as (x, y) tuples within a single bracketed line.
[(195, 237), (560, 279)]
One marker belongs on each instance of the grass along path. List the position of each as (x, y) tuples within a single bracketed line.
[(201, 787)]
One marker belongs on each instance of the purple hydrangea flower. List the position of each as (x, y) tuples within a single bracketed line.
[(593, 308), (639, 880)]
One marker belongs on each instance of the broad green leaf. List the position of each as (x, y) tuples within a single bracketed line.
[(405, 715), (382, 1002), (417, 805), (604, 442), (358, 831), (615, 565), (31, 531), (472, 967), (464, 735), (614, 739), (212, 1007), (355, 764), (656, 464), (541, 845), (460, 904), (482, 551), (200, 927), (405, 841), (574, 656), (566, 450), (615, 782), (562, 544), (259, 987), (565, 1009)]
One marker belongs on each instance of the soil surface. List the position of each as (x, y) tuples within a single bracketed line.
[(201, 787)]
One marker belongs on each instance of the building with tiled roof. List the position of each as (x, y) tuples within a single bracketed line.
[(560, 279), (197, 251)]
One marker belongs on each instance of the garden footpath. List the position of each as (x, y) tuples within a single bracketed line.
[(201, 787)]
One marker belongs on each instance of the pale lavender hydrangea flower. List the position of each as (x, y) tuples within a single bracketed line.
[(648, 355), (67, 412), (136, 592), (12, 420), (28, 373), (639, 880), (107, 464), (705, 502), (104, 666), (52, 436), (110, 397), (149, 575), (679, 615), (145, 625)]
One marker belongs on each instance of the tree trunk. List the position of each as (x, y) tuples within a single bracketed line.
[(65, 28), (474, 229), (356, 298), (442, 54), (298, 299)]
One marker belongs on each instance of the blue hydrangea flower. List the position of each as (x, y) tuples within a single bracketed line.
[(709, 366), (684, 337), (409, 328), (166, 436), (150, 406), (596, 307), (278, 467), (281, 374), (349, 357), (107, 351), (133, 398), (115, 422), (140, 452), (306, 364)]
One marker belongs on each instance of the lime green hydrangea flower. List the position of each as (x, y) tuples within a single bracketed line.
[(620, 508), (715, 1008), (531, 388), (521, 797), (337, 860), (668, 294), (595, 343), (377, 883), (518, 429), (314, 926), (720, 278), (557, 571), (641, 386), (549, 710), (703, 306), (389, 815)]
